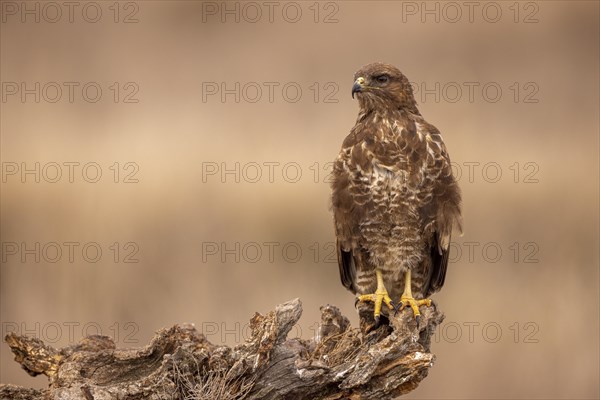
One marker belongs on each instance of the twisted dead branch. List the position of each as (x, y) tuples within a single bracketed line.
[(180, 363)]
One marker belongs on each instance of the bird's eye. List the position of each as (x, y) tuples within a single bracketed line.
[(382, 78)]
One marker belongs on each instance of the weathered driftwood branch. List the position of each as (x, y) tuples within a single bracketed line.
[(180, 363)]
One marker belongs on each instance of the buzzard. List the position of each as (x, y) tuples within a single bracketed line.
[(394, 198)]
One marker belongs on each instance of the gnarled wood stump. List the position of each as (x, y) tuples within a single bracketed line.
[(180, 363)]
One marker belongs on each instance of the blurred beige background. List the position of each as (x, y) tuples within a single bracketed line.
[(512, 86)]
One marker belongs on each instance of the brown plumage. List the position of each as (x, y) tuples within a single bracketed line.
[(395, 201)]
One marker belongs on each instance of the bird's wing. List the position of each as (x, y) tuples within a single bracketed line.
[(346, 211), (347, 268), (439, 263), (444, 209)]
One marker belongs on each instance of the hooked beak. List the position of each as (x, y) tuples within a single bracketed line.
[(358, 85)]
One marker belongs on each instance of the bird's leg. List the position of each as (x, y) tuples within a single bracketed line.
[(379, 297), (408, 300)]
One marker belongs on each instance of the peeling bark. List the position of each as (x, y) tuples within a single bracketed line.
[(180, 363)]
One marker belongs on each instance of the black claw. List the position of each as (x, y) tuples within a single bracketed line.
[(356, 301), (418, 318), (397, 309), (377, 322)]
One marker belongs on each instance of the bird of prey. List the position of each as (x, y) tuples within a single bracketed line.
[(394, 198)]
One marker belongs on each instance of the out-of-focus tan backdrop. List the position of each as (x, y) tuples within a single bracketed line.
[(167, 162)]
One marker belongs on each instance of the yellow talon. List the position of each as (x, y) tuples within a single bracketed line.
[(414, 304), (408, 300), (379, 297)]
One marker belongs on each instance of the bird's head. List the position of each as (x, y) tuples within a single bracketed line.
[(383, 86)]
